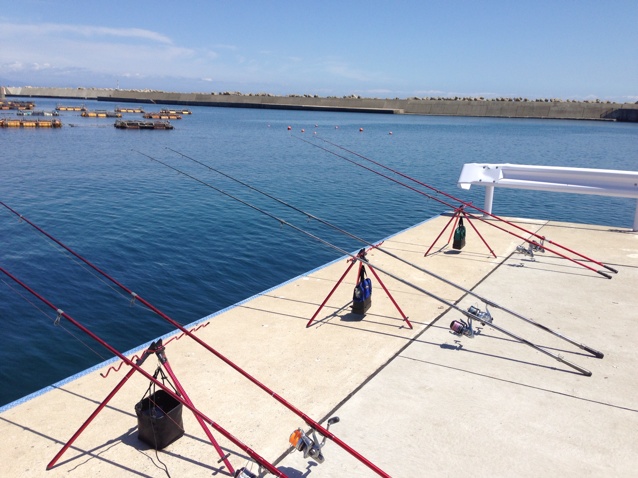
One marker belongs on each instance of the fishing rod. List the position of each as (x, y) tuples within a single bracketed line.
[(485, 300), (309, 421), (535, 245), (470, 313), (485, 213), (186, 403)]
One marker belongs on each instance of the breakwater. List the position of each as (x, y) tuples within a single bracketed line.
[(497, 108)]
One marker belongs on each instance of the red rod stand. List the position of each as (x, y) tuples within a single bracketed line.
[(158, 349), (361, 259), (455, 217)]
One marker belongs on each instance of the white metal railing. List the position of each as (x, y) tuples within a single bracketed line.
[(602, 182)]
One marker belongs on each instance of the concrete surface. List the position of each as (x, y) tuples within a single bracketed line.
[(416, 402)]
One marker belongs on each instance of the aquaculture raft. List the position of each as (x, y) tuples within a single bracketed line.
[(16, 105), (124, 124), (101, 114), (37, 113), (175, 112), (129, 110), (70, 108), (162, 115), (30, 123)]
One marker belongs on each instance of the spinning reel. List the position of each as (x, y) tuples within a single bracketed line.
[(309, 444), (460, 327), (533, 247)]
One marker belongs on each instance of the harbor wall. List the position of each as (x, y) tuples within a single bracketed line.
[(501, 108)]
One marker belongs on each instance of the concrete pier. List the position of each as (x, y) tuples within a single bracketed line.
[(505, 108), (416, 402)]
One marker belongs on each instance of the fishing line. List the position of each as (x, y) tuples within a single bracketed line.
[(400, 259), (470, 314), (482, 211), (79, 263), (56, 323), (533, 243), (58, 248)]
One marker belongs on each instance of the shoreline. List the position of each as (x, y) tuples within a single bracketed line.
[(468, 107)]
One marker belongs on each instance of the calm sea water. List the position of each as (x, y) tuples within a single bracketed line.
[(192, 251)]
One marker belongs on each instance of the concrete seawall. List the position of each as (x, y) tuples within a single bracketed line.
[(486, 108)]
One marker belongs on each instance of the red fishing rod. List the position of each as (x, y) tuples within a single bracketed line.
[(535, 244), (312, 423), (485, 213), (186, 403)]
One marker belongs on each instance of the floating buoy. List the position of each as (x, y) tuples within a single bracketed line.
[(316, 125), (336, 127), (289, 128), (360, 130), (390, 133), (303, 130)]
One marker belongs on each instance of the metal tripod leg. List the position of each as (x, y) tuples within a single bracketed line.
[(478, 233), (454, 216), (159, 351), (330, 294), (405, 318)]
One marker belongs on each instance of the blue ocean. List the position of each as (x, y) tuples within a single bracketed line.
[(191, 250)]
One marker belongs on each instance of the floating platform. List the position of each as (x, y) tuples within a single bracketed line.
[(161, 115), (129, 110), (16, 105), (415, 402), (37, 113), (126, 124), (101, 114), (175, 111), (70, 108), (29, 123)]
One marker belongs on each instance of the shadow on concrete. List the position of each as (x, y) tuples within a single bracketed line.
[(294, 473)]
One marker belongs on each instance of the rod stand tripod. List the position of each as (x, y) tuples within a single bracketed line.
[(158, 349), (459, 213), (360, 258)]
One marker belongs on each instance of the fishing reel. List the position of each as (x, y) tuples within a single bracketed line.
[(483, 317), (309, 444), (531, 249), (527, 252), (462, 328)]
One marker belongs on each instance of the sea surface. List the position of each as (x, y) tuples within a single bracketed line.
[(191, 250)]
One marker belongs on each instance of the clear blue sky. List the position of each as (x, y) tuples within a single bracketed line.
[(535, 49)]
